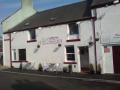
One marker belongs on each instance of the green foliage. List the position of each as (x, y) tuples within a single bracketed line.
[(40, 68), (65, 69), (20, 67), (98, 69)]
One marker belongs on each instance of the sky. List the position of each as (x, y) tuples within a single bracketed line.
[(7, 7)]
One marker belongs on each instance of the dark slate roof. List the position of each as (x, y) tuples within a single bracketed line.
[(65, 14), (100, 3)]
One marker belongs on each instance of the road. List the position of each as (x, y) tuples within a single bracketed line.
[(10, 81)]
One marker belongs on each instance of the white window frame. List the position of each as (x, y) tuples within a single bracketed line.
[(14, 54), (73, 36), (69, 29), (29, 36), (69, 53)]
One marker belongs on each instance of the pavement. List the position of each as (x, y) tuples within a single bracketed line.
[(29, 81), (107, 77)]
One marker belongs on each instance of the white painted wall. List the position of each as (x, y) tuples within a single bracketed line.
[(107, 25), (50, 53), (6, 50), (108, 61)]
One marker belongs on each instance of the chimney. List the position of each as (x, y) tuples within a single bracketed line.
[(26, 4), (89, 2)]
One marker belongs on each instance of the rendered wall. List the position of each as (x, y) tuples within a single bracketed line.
[(108, 27), (6, 50), (51, 52)]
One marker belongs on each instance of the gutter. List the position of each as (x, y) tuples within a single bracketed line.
[(109, 3), (10, 50)]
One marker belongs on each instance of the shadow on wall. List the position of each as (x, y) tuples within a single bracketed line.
[(30, 85)]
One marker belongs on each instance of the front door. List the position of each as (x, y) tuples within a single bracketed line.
[(84, 59), (116, 59)]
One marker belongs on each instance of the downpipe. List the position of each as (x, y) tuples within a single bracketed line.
[(94, 42)]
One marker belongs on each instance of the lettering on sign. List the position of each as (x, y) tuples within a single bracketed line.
[(51, 40)]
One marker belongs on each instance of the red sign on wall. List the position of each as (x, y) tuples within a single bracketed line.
[(106, 50)]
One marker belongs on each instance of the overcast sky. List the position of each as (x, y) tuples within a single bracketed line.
[(7, 7)]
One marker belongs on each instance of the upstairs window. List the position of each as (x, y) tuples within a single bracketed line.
[(70, 52), (73, 28), (32, 35)]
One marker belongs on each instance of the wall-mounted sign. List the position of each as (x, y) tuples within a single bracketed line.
[(106, 50), (51, 40)]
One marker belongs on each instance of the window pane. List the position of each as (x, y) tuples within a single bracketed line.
[(32, 34), (22, 54), (73, 27), (71, 57), (70, 49), (14, 54)]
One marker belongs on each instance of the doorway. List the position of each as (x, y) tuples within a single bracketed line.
[(84, 59), (116, 59)]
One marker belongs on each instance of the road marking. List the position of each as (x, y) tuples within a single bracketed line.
[(63, 77)]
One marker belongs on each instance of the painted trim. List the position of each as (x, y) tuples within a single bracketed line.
[(6, 39), (29, 41), (68, 62), (73, 40), (18, 61)]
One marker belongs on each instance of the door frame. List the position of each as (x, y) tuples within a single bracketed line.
[(80, 58), (116, 68)]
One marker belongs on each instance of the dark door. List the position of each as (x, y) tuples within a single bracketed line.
[(116, 59), (84, 59)]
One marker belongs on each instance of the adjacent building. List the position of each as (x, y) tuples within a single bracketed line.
[(1, 51)]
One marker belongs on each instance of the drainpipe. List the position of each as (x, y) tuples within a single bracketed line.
[(94, 42), (10, 50)]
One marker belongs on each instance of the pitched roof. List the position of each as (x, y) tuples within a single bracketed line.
[(60, 15), (65, 14)]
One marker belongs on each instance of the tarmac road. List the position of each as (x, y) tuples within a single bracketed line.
[(12, 81)]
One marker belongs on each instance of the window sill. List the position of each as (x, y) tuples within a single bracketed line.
[(31, 41), (70, 62), (19, 61), (6, 39), (73, 40)]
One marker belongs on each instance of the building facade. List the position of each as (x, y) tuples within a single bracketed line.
[(80, 40), (107, 29)]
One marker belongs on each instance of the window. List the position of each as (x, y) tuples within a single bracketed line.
[(22, 54), (94, 13), (14, 54), (73, 28), (70, 53), (32, 35)]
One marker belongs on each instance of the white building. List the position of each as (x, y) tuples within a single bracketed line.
[(63, 36), (107, 29), (1, 52)]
